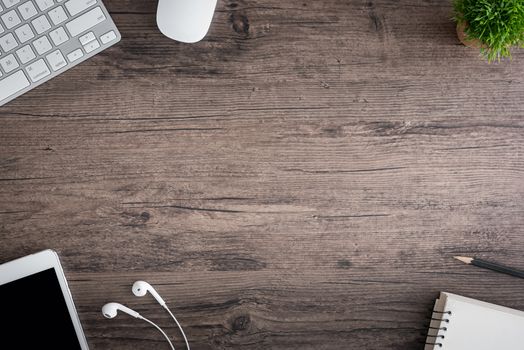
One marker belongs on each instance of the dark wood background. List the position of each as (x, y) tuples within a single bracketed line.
[(299, 180)]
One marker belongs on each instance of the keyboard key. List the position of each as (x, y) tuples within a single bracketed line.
[(42, 45), (76, 6), (44, 4), (56, 60), (1, 29), (41, 24), (108, 37), (75, 55), (25, 54), (11, 19), (24, 33), (8, 42), (86, 21), (92, 46), (84, 39), (10, 3), (37, 70), (57, 15), (13, 84), (59, 36), (9, 63), (27, 10)]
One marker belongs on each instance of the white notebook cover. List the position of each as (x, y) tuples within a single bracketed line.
[(474, 325)]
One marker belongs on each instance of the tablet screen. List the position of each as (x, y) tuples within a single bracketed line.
[(35, 314)]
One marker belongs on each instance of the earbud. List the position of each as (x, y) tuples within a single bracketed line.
[(140, 289), (110, 310)]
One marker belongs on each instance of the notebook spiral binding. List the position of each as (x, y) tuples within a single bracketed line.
[(442, 317)]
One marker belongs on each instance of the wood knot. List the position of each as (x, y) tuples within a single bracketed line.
[(240, 23), (145, 216), (241, 323), (376, 22), (344, 264), (135, 219)]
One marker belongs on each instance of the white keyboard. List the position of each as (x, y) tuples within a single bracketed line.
[(40, 39)]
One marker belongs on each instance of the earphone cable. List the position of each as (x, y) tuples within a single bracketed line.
[(160, 330), (179, 326)]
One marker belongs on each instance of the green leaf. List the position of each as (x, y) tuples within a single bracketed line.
[(497, 24)]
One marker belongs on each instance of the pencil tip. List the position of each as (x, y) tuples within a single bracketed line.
[(464, 259)]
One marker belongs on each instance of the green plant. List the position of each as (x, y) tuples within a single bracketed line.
[(497, 24)]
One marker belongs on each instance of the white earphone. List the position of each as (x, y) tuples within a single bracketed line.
[(110, 310), (140, 289)]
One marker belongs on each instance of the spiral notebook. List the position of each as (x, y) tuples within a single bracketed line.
[(460, 323)]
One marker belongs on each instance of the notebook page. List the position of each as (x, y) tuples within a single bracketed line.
[(477, 325)]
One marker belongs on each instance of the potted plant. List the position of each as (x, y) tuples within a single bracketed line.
[(493, 26)]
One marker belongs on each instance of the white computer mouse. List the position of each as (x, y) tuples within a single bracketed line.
[(187, 21)]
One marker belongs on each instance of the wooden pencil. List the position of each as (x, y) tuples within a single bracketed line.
[(491, 266)]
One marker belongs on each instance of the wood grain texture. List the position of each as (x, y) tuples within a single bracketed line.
[(299, 180)]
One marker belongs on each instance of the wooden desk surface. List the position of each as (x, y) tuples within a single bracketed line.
[(298, 180)]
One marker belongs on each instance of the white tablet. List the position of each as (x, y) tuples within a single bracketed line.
[(37, 308)]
